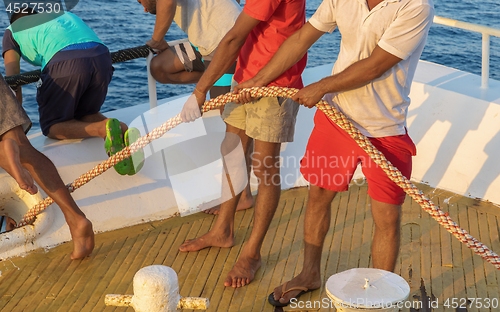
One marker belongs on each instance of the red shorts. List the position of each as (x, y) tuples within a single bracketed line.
[(332, 157)]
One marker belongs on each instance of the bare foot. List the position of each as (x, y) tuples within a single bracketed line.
[(245, 202), (83, 239), (307, 280), (207, 240), (12, 164), (242, 272)]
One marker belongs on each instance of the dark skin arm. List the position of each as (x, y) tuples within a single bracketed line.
[(165, 12), (225, 55), (12, 61), (353, 77), (292, 50)]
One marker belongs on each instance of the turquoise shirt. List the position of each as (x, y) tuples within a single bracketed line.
[(42, 35)]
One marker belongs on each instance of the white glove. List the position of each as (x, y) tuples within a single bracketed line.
[(191, 110)]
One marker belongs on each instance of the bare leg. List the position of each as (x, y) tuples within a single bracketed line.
[(246, 199), (89, 126), (167, 68), (222, 233), (316, 225), (46, 175), (10, 161), (266, 168), (386, 238)]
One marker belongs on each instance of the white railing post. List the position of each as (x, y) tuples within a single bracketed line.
[(485, 71), (153, 100), (485, 31)]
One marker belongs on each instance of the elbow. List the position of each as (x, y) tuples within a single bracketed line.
[(230, 45), (375, 72)]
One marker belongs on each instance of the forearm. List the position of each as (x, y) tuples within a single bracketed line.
[(165, 12), (361, 72), (12, 62)]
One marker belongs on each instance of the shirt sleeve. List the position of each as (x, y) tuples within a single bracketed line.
[(324, 19), (407, 31), (261, 10), (8, 43)]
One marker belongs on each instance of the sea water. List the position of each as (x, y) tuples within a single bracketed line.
[(123, 24)]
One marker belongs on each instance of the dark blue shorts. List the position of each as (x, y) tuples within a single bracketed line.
[(74, 85)]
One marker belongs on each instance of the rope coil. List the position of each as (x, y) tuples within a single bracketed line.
[(392, 172)]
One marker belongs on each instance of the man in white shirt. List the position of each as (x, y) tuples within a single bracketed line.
[(205, 22)]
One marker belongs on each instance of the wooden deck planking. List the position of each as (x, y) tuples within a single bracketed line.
[(279, 251), (493, 276), (467, 255), (478, 262), (51, 282), (364, 259), (446, 255), (41, 286), (489, 270), (361, 209), (457, 266)]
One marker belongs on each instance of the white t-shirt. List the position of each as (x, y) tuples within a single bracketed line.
[(399, 27), (206, 21)]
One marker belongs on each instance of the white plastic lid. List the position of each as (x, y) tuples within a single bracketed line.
[(367, 288)]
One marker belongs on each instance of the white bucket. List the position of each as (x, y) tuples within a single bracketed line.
[(365, 289)]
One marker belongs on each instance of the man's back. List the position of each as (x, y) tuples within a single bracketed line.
[(47, 35)]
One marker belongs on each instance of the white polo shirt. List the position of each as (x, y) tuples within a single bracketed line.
[(400, 27)]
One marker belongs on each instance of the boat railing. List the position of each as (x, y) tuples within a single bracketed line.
[(486, 33)]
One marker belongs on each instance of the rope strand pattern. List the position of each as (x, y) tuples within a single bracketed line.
[(392, 172)]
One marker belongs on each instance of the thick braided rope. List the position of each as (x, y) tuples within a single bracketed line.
[(392, 172), (15, 81)]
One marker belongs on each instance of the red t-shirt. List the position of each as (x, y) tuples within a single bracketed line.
[(279, 19)]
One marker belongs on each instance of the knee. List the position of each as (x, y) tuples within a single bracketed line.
[(155, 70), (52, 134), (267, 173), (158, 70), (229, 144), (319, 196), (389, 222)]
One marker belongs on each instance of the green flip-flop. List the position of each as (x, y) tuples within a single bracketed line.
[(131, 135), (114, 143)]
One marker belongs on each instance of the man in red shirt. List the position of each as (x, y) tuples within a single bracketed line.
[(257, 34)]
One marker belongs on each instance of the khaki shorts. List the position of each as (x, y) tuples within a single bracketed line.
[(269, 119)]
